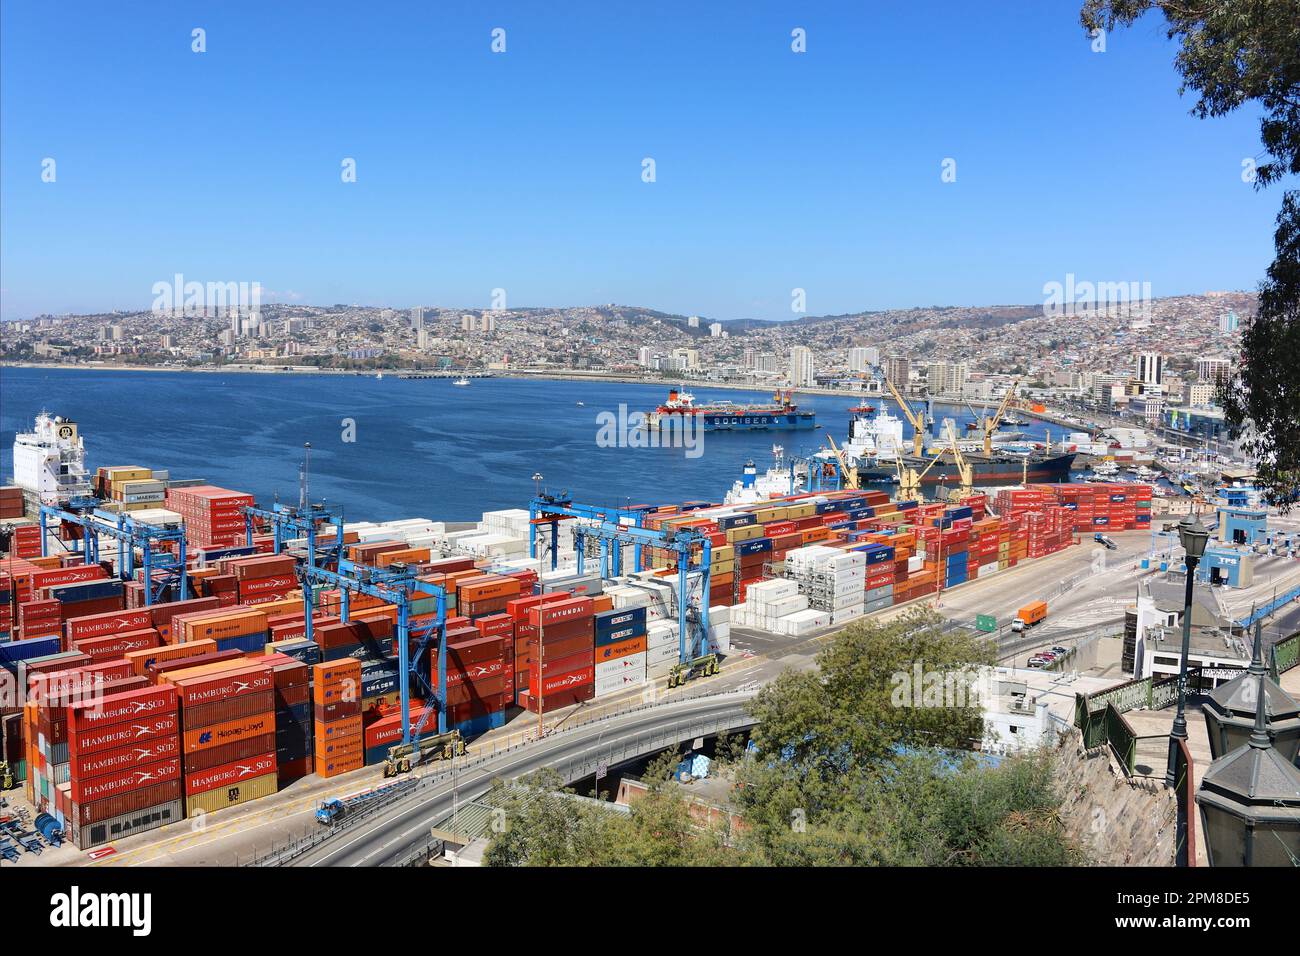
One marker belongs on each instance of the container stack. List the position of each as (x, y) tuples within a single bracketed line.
[(228, 720), (561, 653), (124, 752), (11, 502), (475, 695), (214, 517), (234, 629), (261, 579), (338, 745), (6, 608), (293, 718), (26, 541), (662, 649), (620, 655)]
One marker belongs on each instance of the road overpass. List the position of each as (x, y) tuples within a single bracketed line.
[(391, 832)]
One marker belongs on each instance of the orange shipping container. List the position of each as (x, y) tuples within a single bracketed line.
[(219, 624), (142, 660)]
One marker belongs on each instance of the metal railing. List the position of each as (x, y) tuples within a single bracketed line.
[(314, 836), (1285, 655)]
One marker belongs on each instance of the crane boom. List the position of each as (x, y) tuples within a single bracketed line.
[(847, 474), (991, 424), (918, 428)]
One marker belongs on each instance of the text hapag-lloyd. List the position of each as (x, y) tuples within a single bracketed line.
[(250, 686)]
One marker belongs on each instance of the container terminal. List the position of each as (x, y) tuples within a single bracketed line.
[(180, 651)]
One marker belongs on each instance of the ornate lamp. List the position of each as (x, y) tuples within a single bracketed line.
[(1230, 710), (1250, 802)]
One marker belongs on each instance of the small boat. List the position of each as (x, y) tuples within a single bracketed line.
[(582, 404), (863, 409), (461, 381)]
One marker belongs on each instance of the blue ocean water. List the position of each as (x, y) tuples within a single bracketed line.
[(423, 448)]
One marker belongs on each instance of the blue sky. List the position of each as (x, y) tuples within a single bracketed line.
[(522, 170)]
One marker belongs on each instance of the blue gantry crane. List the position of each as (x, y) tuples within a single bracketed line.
[(304, 521), (162, 566), (395, 585), (615, 528)]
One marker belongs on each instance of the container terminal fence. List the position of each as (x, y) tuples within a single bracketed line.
[(617, 750)]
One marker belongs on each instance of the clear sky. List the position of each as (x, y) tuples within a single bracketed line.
[(523, 170)]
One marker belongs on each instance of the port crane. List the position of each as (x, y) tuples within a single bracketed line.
[(694, 557), (396, 585), (546, 511), (849, 474), (162, 547), (301, 522), (989, 424), (965, 473), (909, 480), (917, 421)]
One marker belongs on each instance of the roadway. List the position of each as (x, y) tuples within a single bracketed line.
[(386, 835)]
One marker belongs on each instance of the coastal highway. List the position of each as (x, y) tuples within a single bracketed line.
[(385, 835)]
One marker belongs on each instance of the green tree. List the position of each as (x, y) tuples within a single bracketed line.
[(1234, 52)]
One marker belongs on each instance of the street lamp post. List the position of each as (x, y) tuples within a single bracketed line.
[(1193, 536)]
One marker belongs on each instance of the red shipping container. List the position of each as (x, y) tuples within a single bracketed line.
[(227, 685), (130, 705), (556, 683), (279, 585), (229, 774), (197, 761), (222, 711), (574, 608), (126, 758), (130, 802), (114, 646), (101, 625), (90, 789)]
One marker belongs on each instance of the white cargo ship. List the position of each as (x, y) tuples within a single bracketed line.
[(50, 462)]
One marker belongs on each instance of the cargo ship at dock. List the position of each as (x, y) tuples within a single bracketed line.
[(996, 469), (781, 414)]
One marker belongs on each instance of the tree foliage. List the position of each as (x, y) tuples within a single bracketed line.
[(1234, 52), (844, 773)]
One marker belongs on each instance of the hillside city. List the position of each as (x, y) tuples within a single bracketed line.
[(1147, 358)]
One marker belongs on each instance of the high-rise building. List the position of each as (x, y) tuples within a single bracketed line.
[(1150, 368), (643, 356), (468, 323), (898, 371), (750, 357), (861, 359), (686, 358), (946, 378), (768, 362), (693, 321), (488, 323), (1210, 368), (422, 337), (802, 373), (417, 318), (715, 330), (1229, 322)]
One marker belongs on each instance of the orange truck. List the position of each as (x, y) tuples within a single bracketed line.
[(1029, 615)]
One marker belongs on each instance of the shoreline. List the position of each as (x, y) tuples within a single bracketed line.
[(520, 374)]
